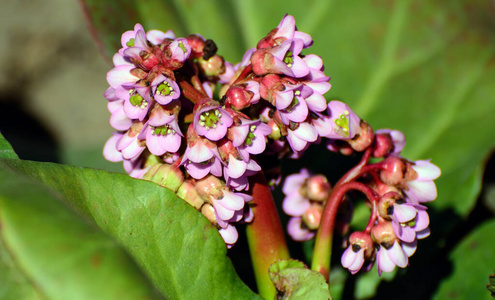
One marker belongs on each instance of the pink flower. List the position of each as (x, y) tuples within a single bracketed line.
[(212, 122)]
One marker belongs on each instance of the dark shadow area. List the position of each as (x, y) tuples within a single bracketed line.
[(241, 259), (30, 139)]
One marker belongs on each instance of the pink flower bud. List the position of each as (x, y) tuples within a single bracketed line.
[(187, 191), (383, 145), (383, 234), (318, 188), (165, 175), (393, 171), (212, 67), (363, 138), (312, 216)]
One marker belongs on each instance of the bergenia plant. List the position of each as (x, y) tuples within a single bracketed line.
[(177, 105), (237, 169)]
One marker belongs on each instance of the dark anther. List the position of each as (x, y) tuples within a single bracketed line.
[(356, 247), (400, 201), (271, 112), (387, 245), (222, 101), (209, 49), (313, 115), (390, 210)]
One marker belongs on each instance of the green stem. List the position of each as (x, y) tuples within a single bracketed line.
[(265, 236)]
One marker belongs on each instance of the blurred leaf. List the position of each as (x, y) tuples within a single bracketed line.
[(48, 252), (6, 150), (177, 247), (473, 261), (293, 280)]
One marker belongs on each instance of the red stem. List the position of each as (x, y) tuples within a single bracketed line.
[(190, 92), (323, 245), (265, 235)]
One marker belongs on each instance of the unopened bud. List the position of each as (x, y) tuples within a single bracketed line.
[(363, 138), (312, 216), (165, 175), (209, 212), (210, 187), (238, 97), (386, 204), (318, 188), (187, 192), (360, 240), (383, 145), (393, 170), (383, 234), (212, 67)]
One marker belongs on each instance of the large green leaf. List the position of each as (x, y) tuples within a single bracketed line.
[(176, 246), (6, 150), (473, 260), (49, 252)]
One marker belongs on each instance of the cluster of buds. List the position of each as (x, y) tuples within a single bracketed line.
[(305, 197)]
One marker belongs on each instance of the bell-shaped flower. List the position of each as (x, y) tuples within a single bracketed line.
[(212, 122), (422, 188)]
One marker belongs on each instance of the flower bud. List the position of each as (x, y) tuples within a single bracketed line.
[(312, 216), (318, 188), (212, 67), (209, 212), (187, 192), (165, 175), (393, 170), (383, 234), (383, 145), (210, 187), (360, 240), (386, 204), (363, 138), (238, 97)]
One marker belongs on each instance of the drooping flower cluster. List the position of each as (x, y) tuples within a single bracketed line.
[(396, 190)]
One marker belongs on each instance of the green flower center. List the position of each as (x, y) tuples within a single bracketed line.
[(165, 89), (162, 130), (289, 59), (181, 45), (209, 119), (343, 124), (130, 43), (250, 137), (137, 100)]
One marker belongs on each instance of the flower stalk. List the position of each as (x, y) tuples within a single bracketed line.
[(265, 236)]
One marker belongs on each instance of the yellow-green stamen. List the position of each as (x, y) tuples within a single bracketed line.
[(343, 124), (209, 119), (289, 59), (165, 89)]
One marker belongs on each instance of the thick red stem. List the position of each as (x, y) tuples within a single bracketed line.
[(265, 235)]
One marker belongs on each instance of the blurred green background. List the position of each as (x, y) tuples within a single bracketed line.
[(424, 67)]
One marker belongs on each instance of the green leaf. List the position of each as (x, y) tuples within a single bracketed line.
[(177, 247), (473, 261), (49, 252), (6, 150), (293, 280)]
